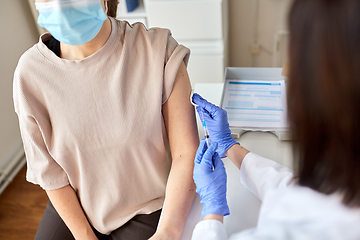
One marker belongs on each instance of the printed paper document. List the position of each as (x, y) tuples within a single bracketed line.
[(253, 104)]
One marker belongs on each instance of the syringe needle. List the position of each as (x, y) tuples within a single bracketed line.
[(206, 132)]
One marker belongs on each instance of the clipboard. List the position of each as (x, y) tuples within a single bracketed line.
[(255, 99)]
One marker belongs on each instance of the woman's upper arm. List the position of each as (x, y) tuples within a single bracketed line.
[(179, 116)]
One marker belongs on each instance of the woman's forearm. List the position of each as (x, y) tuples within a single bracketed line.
[(236, 154), (180, 193), (68, 207), (220, 218)]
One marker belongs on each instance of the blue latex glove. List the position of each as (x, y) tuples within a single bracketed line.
[(210, 179), (217, 123)]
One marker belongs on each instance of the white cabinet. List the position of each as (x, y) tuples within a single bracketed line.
[(200, 25), (138, 15), (189, 20)]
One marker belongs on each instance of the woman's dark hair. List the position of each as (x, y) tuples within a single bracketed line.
[(324, 95), (112, 8)]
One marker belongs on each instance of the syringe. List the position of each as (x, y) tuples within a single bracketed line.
[(206, 132)]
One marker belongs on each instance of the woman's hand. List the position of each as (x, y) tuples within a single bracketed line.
[(210, 179), (217, 123), (67, 205)]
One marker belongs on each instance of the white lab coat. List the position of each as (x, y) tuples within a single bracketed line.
[(288, 210)]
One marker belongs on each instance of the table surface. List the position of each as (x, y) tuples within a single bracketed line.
[(244, 206)]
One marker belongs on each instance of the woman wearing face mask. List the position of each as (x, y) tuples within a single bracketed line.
[(321, 200), (100, 104)]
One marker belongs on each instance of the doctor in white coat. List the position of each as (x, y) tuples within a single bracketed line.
[(321, 199)]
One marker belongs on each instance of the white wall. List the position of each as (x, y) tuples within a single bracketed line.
[(17, 34), (272, 17)]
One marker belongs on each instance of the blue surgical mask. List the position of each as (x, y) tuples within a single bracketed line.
[(73, 22)]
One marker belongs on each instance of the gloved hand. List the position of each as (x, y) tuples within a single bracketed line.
[(210, 179), (217, 123)]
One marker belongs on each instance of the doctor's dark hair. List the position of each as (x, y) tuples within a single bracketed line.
[(324, 95), (112, 7)]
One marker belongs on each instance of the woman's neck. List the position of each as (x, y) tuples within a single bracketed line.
[(79, 52)]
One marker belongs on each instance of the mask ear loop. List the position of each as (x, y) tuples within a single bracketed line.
[(106, 7)]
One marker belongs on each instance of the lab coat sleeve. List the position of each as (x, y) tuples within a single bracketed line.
[(215, 230), (209, 230), (261, 175)]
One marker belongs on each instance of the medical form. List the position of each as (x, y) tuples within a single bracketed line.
[(255, 104)]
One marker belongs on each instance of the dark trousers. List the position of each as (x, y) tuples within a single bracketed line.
[(140, 227)]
